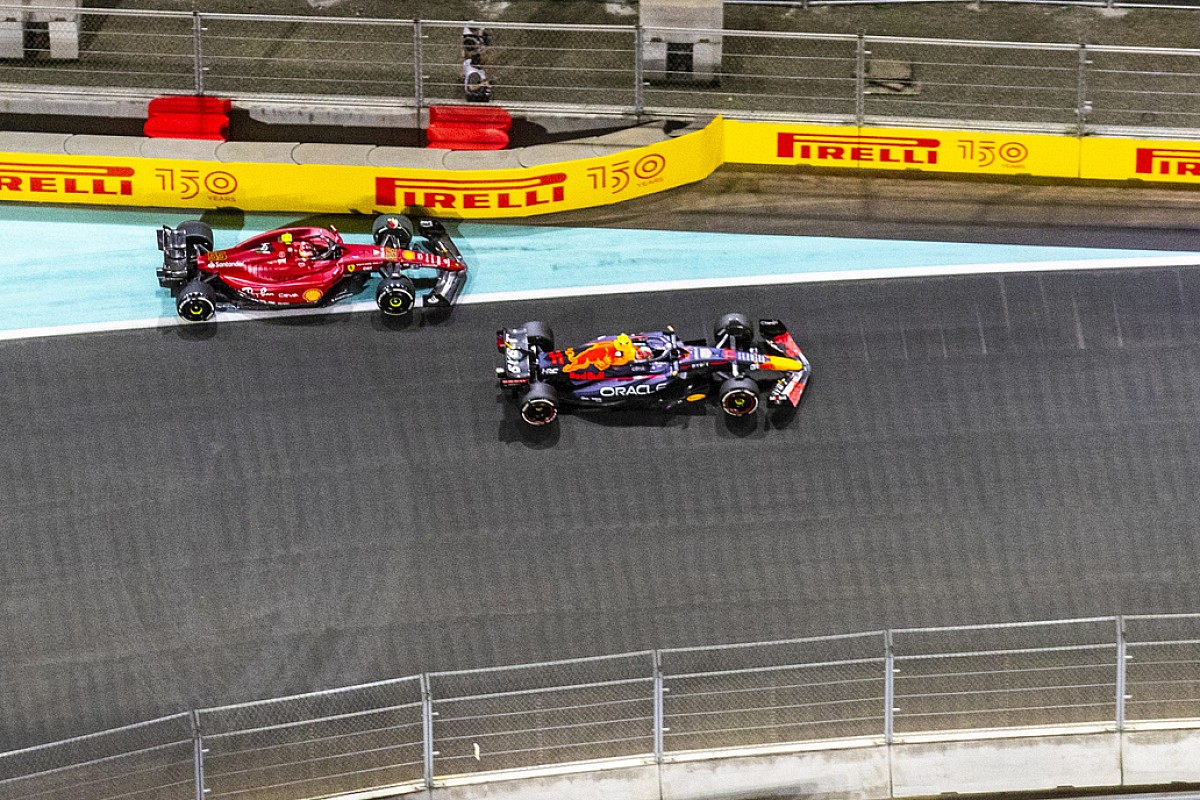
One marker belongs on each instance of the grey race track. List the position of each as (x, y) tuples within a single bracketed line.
[(189, 519)]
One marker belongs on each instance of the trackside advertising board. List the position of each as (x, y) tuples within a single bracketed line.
[(901, 148), (325, 188), (961, 152), (586, 183)]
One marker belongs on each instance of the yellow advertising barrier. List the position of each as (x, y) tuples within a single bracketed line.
[(965, 152), (585, 183), (1140, 159), (324, 188), (962, 152)]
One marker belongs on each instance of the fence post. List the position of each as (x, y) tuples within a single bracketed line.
[(639, 80), (197, 53), (418, 77), (1083, 108), (860, 81), (659, 715), (198, 754), (427, 730), (889, 687), (1122, 657)]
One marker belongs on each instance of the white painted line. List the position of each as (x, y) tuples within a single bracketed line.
[(225, 317)]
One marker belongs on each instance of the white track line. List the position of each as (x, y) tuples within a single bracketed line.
[(1186, 260)]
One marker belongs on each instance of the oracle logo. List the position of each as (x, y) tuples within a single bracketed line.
[(1155, 161), (65, 179), (434, 193), (857, 149)]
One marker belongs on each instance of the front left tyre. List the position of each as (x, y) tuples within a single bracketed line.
[(197, 302), (739, 397), (392, 230), (737, 328), (539, 404), (395, 296)]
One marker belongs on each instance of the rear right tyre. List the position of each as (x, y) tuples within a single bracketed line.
[(197, 302), (539, 404)]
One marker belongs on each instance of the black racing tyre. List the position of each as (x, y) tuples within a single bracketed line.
[(739, 397), (539, 334), (197, 302), (199, 237), (395, 296), (738, 327), (392, 230), (539, 404)]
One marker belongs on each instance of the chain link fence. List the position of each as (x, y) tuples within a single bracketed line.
[(1041, 674), (1103, 673), (553, 713), (315, 745), (773, 693), (610, 69), (154, 760)]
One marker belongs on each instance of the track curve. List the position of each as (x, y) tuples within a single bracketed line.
[(190, 519)]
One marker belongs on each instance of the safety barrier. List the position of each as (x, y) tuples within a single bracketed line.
[(1102, 701), (313, 62), (583, 183)]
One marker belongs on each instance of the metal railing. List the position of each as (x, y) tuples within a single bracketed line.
[(850, 79), (915, 684), (804, 4)]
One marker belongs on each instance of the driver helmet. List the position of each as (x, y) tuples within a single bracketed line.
[(624, 346), (305, 249)]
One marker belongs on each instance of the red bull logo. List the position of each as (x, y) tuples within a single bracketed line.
[(1156, 161), (858, 149), (432, 193), (597, 357), (65, 179)]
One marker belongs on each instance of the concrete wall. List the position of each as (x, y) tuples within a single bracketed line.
[(316, 153), (881, 772), (860, 773), (1006, 765), (1153, 758)]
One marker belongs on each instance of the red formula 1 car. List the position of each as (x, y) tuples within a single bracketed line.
[(300, 267)]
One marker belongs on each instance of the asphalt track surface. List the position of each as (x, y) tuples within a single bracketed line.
[(191, 516)]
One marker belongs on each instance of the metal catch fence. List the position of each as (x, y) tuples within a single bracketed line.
[(607, 69), (1062, 676)]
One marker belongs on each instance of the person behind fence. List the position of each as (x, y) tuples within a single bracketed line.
[(475, 83), (475, 44)]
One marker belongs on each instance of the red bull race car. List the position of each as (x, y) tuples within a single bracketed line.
[(655, 368), (308, 266)]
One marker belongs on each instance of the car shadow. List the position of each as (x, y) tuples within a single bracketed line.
[(649, 417), (738, 427), (193, 331), (382, 322)]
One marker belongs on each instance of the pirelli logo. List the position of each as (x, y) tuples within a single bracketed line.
[(434, 193), (1162, 161), (837, 148), (19, 178)]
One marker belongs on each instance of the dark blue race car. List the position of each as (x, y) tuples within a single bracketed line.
[(654, 368)]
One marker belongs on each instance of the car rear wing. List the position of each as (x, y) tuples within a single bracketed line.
[(516, 358), (789, 388), (175, 268)]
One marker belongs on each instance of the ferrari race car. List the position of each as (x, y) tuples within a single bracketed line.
[(302, 267), (655, 368)]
